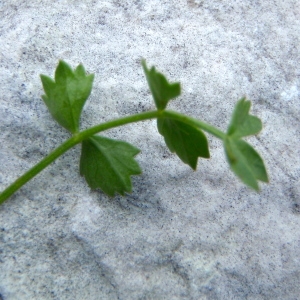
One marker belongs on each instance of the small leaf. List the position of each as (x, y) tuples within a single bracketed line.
[(107, 164), (242, 124), (162, 91), (245, 162), (65, 97), (188, 142)]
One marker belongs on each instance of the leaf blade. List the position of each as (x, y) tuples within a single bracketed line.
[(245, 162), (66, 95), (108, 164), (242, 123), (162, 91), (186, 141)]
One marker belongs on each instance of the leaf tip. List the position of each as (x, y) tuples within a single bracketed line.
[(143, 62)]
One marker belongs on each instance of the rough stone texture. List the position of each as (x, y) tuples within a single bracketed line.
[(180, 234)]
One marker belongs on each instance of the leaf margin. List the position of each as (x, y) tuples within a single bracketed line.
[(57, 94), (171, 141), (239, 162), (158, 85), (242, 123), (110, 191)]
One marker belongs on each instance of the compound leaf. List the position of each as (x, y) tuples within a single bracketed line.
[(65, 97), (162, 91), (186, 141), (108, 164), (242, 124), (245, 162)]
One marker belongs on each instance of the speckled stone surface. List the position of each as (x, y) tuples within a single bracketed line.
[(180, 234)]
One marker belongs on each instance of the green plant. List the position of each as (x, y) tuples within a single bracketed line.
[(108, 164)]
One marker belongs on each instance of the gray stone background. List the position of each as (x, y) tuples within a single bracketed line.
[(180, 234)]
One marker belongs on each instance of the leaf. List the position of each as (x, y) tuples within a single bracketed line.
[(188, 142), (107, 164), (245, 162), (65, 97), (162, 91), (242, 124)]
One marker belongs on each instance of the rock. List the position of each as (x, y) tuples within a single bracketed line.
[(180, 234)]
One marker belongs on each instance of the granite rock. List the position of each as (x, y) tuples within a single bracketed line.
[(180, 234)]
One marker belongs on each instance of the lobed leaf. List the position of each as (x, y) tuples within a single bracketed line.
[(65, 97), (242, 124), (245, 162), (188, 142), (108, 164), (162, 91)]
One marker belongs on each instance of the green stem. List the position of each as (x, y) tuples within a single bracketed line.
[(194, 122), (79, 137), (68, 144)]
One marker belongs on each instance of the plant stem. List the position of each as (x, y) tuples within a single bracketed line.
[(68, 144), (79, 137), (194, 122)]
